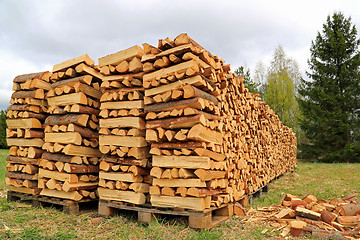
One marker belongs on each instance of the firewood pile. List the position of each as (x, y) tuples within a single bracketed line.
[(323, 219), (211, 140), (177, 129), (259, 148), (25, 132), (69, 165), (124, 174)]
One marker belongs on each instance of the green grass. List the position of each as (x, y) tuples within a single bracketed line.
[(3, 155), (323, 180)]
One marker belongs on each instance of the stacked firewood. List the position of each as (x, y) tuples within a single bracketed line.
[(211, 140), (25, 132), (124, 174), (183, 125), (69, 165), (324, 219), (175, 123), (258, 146)]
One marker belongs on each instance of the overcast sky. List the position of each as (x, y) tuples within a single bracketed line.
[(35, 35)]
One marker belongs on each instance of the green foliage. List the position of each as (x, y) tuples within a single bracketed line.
[(280, 88), (248, 82), (277, 85), (330, 101), (3, 127)]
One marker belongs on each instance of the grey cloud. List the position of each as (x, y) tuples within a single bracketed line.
[(241, 32)]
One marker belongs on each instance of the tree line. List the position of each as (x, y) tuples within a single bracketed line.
[(323, 110)]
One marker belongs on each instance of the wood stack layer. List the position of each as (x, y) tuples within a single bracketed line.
[(182, 124), (258, 147), (211, 140), (69, 165), (124, 174), (25, 132)]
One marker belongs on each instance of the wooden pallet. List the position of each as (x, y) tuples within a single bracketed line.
[(260, 192), (68, 206), (146, 213), (13, 196)]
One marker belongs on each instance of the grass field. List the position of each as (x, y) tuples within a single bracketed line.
[(18, 221)]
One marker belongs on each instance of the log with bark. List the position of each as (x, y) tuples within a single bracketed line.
[(25, 133)]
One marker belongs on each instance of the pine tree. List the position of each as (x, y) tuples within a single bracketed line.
[(3, 126), (331, 98)]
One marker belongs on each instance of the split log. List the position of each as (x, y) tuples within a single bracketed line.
[(133, 122), (27, 107), (21, 160), (76, 108), (203, 152), (125, 141), (75, 168), (81, 151), (116, 58), (179, 182), (40, 75), (23, 123), (72, 178), (79, 119), (29, 133), (202, 192), (73, 62), (139, 187), (124, 177), (171, 70), (172, 123), (88, 90), (23, 176), (178, 202), (206, 175), (68, 99), (190, 162), (34, 142), (123, 105), (38, 94), (191, 91), (84, 132), (123, 196), (64, 138), (86, 79), (306, 213), (197, 103), (74, 195), (70, 187), (201, 133), (85, 69), (61, 158)]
